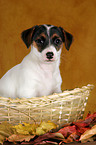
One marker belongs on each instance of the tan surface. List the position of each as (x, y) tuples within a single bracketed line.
[(78, 66)]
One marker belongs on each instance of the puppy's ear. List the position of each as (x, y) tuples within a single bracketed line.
[(67, 38), (27, 35)]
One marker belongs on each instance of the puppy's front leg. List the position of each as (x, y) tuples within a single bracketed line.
[(58, 89), (27, 92)]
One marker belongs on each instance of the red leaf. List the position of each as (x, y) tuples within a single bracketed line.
[(47, 137), (75, 136), (46, 142), (89, 113), (67, 124), (80, 124), (66, 131), (92, 116), (82, 130)]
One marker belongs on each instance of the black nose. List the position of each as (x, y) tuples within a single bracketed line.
[(49, 55)]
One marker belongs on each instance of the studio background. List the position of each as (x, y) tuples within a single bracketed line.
[(78, 65)]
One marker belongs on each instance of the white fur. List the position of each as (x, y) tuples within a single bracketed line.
[(34, 76), (48, 28)]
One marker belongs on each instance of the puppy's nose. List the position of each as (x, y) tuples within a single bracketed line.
[(49, 55)]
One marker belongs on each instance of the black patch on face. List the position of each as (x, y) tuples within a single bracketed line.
[(38, 34), (56, 37), (56, 30), (41, 42), (41, 38), (49, 25)]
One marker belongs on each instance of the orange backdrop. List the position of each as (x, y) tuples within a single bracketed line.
[(78, 66)]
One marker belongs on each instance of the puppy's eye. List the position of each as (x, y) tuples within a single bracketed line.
[(39, 41), (57, 41)]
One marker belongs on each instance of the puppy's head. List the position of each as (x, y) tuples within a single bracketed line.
[(47, 40)]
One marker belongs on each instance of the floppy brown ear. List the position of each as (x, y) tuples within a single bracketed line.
[(27, 35), (67, 38)]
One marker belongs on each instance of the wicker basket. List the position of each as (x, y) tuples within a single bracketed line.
[(59, 108)]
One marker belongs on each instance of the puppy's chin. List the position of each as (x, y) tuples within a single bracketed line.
[(50, 60)]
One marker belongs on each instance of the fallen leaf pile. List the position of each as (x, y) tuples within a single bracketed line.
[(34, 129), (44, 133), (23, 132)]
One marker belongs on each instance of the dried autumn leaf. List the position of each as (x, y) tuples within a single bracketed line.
[(35, 129), (20, 138), (31, 127), (80, 124), (40, 131), (91, 115), (44, 127), (47, 126), (25, 128), (47, 142), (5, 131), (73, 137), (82, 130), (47, 137), (2, 138), (58, 135), (88, 134), (20, 129), (66, 131), (91, 118)]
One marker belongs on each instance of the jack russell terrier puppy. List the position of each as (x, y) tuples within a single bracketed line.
[(38, 74)]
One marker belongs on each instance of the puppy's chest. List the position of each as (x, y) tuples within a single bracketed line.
[(47, 76), (48, 82), (48, 79)]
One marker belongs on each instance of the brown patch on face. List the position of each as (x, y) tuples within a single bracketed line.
[(36, 46), (41, 35), (54, 35), (58, 48)]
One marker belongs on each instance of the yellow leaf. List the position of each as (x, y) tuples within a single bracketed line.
[(59, 135), (2, 138), (44, 127), (31, 127), (20, 129), (6, 128), (40, 131), (47, 126), (35, 129), (5, 131), (25, 128)]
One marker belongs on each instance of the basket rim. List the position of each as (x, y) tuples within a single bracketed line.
[(56, 105)]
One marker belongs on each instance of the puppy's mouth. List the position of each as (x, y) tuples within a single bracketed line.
[(49, 60)]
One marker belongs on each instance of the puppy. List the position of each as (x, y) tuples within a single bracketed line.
[(38, 74)]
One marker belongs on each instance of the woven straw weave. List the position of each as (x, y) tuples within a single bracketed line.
[(59, 108)]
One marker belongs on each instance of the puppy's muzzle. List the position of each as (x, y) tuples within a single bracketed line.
[(49, 55)]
